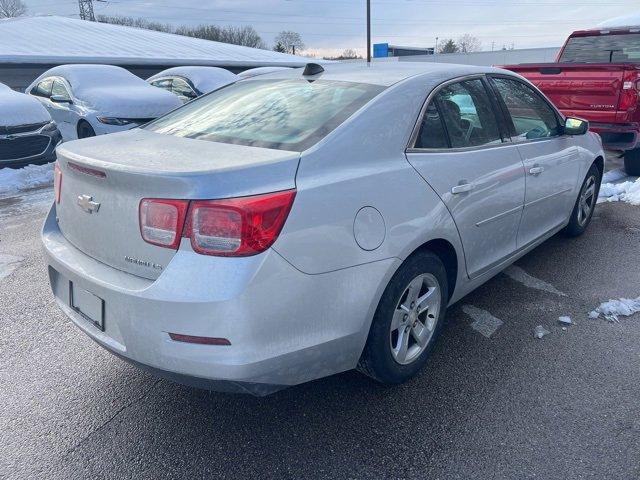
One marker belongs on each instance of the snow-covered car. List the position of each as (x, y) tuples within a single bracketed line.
[(254, 72), (191, 82), (27, 133), (89, 100)]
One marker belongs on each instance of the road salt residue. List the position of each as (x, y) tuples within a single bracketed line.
[(8, 263), (483, 321), (519, 275)]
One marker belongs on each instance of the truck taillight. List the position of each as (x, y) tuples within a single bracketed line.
[(57, 181), (630, 91), (234, 227), (162, 221)]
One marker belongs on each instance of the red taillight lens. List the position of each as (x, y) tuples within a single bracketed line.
[(630, 92), (238, 227), (161, 221), (57, 181)]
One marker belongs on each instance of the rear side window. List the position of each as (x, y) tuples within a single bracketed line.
[(164, 83), (291, 114), (468, 115), (181, 88), (432, 133), (43, 89), (532, 117), (602, 49)]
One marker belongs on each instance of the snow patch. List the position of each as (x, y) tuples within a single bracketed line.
[(26, 178), (540, 331), (483, 321), (614, 175), (613, 309), (620, 192), (565, 320), (8, 263), (519, 275)]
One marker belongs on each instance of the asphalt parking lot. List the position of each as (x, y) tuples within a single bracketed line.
[(506, 406)]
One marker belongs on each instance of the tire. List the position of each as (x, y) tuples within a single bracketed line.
[(382, 357), (632, 162), (585, 203), (85, 130)]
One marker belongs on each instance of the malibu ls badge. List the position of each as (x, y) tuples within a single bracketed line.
[(87, 204)]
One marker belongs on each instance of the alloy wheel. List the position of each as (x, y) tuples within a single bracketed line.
[(587, 200), (414, 319)]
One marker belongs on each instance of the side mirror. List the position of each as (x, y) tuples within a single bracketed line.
[(60, 99), (575, 126)]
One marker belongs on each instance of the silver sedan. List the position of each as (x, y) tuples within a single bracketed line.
[(303, 223)]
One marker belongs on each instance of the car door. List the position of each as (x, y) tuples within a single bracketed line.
[(460, 150), (550, 158), (62, 109)]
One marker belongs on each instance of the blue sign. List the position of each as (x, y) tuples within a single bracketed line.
[(380, 50)]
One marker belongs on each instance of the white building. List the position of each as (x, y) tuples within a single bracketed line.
[(31, 45)]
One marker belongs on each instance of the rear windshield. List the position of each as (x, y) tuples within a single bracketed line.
[(280, 114), (603, 49)]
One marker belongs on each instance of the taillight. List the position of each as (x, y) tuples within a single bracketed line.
[(238, 227), (161, 221), (233, 227), (630, 91), (57, 181)]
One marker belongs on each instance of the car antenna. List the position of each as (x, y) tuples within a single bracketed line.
[(312, 69)]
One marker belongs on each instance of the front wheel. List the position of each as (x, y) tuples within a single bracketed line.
[(632, 162), (407, 321), (585, 204)]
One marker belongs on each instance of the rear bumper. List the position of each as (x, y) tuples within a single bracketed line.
[(285, 327), (617, 136)]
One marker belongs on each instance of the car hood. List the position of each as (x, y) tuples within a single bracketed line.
[(130, 102), (20, 109)]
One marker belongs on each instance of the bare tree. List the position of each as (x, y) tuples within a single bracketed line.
[(135, 22), (246, 36), (467, 43), (12, 8), (291, 41)]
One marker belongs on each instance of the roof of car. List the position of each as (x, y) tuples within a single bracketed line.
[(385, 73)]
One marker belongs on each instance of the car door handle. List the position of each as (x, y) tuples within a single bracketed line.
[(537, 170), (462, 188)]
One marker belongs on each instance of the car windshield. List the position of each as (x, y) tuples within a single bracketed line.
[(279, 114), (623, 47)]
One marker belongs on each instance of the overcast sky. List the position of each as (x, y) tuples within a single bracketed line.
[(330, 26)]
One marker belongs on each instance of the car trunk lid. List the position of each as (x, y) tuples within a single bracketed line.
[(105, 178)]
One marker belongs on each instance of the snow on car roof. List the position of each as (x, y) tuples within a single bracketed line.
[(384, 73), (205, 79), (20, 109), (52, 39)]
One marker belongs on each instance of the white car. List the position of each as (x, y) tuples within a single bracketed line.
[(254, 72), (89, 100), (191, 82)]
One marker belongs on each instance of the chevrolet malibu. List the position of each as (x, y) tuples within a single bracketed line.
[(303, 223)]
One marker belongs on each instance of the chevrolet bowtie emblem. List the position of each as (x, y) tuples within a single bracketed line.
[(87, 204)]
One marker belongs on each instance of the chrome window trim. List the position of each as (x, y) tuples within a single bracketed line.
[(411, 148)]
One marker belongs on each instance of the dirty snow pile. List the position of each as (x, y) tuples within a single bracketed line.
[(612, 309), (620, 192), (31, 176)]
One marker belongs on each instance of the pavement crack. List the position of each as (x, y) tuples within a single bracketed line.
[(111, 418)]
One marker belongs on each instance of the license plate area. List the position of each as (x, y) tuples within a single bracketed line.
[(89, 306)]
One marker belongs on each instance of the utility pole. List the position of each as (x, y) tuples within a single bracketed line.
[(86, 10), (368, 32)]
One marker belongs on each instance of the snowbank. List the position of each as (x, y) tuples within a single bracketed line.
[(612, 309), (20, 109), (31, 176), (113, 91), (620, 192), (205, 79)]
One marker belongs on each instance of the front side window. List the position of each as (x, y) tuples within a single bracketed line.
[(59, 90), (164, 83), (43, 89), (181, 88), (468, 115), (532, 117), (621, 47), (291, 114)]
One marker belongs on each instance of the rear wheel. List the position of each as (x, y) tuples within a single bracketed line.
[(85, 130), (632, 162), (585, 204), (408, 320)]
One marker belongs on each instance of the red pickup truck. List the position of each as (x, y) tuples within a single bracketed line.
[(597, 77)]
